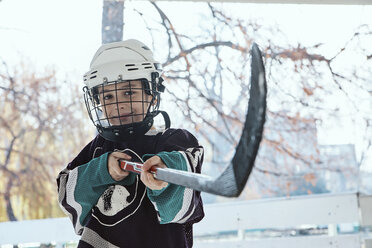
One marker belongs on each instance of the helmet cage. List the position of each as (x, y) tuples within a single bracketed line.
[(105, 103)]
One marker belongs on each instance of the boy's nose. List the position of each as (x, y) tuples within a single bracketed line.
[(121, 106)]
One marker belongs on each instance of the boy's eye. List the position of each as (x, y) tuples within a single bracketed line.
[(128, 92), (107, 97)]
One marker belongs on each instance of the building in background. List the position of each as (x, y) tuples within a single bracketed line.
[(292, 162)]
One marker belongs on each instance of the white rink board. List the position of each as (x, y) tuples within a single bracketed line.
[(273, 213), (342, 241), (320, 2), (279, 213), (37, 231)]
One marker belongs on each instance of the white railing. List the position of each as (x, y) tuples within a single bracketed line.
[(243, 224), (334, 212)]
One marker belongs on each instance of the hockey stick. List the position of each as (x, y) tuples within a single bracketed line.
[(231, 182)]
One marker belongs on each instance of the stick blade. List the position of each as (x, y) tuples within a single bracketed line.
[(232, 181), (246, 151)]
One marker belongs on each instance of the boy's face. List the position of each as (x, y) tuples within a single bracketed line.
[(124, 103)]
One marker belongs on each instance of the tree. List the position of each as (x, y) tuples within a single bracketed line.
[(41, 118), (112, 20)]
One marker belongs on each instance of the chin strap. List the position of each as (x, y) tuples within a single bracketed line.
[(166, 118), (120, 133)]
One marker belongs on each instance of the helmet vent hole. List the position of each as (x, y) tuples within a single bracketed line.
[(130, 65), (146, 63), (93, 76), (148, 67), (93, 72), (132, 69)]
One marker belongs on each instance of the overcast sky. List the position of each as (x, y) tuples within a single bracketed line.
[(67, 33)]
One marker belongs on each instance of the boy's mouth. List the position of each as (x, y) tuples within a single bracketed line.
[(123, 117)]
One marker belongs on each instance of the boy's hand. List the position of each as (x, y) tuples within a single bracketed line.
[(148, 178), (113, 167)]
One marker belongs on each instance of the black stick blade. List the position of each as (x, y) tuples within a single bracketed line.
[(231, 182), (246, 151)]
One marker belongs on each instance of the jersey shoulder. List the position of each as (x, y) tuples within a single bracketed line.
[(176, 139)]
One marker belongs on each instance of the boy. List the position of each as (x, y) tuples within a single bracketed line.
[(110, 207)]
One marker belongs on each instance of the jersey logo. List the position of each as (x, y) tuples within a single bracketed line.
[(113, 200), (118, 203)]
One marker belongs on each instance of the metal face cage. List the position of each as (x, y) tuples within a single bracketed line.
[(122, 109)]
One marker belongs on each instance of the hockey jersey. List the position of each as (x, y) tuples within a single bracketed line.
[(107, 213)]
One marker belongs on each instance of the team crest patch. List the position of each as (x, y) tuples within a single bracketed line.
[(118, 203), (113, 200)]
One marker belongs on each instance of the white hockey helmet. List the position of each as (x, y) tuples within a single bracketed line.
[(121, 62)]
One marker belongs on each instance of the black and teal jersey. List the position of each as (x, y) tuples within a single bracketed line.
[(107, 213)]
